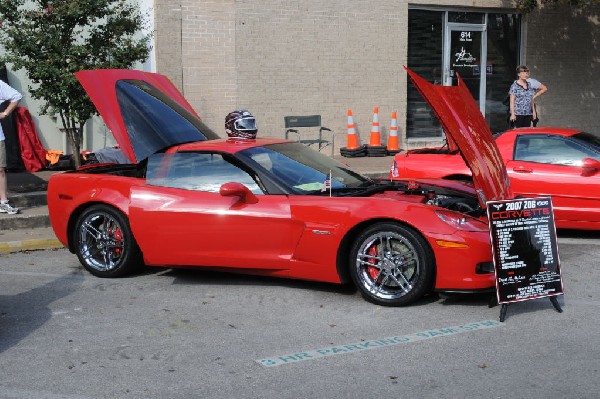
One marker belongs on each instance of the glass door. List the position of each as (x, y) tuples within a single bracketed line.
[(466, 56)]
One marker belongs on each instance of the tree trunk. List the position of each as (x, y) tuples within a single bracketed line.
[(74, 136)]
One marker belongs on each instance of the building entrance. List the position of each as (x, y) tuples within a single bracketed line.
[(483, 48)]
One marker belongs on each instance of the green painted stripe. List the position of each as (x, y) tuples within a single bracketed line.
[(375, 343)]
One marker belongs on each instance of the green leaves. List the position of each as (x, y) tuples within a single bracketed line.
[(527, 6), (53, 39)]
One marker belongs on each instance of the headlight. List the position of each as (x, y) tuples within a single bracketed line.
[(460, 221)]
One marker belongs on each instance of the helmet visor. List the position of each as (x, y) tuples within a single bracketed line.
[(247, 123)]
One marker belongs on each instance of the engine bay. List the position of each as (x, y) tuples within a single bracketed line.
[(455, 196)]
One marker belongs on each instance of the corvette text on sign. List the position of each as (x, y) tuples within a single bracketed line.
[(523, 238)]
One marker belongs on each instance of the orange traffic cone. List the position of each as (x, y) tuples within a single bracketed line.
[(392, 145), (352, 138), (375, 139), (375, 149), (354, 149)]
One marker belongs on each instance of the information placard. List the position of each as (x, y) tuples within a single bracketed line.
[(526, 260)]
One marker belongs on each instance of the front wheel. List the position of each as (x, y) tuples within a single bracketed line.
[(104, 243), (391, 265)]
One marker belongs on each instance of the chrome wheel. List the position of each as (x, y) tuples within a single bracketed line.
[(392, 265), (104, 243)]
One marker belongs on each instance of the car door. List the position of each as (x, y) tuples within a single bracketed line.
[(180, 218), (551, 165)]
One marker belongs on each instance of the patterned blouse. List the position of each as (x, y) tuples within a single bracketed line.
[(524, 97)]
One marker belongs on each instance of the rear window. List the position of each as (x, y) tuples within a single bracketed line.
[(154, 121)]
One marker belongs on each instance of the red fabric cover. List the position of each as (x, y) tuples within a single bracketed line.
[(32, 152)]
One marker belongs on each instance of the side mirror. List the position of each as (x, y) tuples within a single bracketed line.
[(590, 166), (233, 189)]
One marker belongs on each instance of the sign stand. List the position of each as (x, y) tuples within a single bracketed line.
[(525, 252), (555, 304), (504, 308)]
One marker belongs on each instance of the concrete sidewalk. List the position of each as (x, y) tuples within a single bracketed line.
[(29, 230)]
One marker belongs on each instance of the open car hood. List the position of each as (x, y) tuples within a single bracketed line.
[(144, 111), (464, 125)]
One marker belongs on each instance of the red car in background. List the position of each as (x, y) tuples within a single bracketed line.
[(540, 161)]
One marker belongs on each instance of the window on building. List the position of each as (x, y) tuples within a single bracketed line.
[(425, 54), (492, 48), (503, 38)]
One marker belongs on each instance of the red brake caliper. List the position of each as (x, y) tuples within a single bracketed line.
[(373, 271), (118, 236)]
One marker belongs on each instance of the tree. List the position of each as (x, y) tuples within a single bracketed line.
[(53, 39), (529, 5)]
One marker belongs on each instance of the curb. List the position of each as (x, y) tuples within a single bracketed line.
[(376, 175), (29, 245), (24, 222)]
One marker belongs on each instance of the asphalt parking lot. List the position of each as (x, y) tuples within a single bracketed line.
[(186, 334)]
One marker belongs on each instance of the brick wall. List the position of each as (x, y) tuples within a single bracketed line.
[(167, 39), (321, 57), (209, 73), (301, 57), (562, 52)]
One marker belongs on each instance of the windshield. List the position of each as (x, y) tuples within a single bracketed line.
[(304, 170), (589, 139)]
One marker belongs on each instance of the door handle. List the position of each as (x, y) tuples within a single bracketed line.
[(522, 169)]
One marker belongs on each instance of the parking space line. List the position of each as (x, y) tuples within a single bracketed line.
[(375, 343)]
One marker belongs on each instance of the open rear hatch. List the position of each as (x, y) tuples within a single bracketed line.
[(144, 111)]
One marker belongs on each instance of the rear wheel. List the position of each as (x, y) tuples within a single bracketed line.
[(104, 243), (391, 265)]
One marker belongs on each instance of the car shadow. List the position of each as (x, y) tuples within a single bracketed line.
[(206, 277), (467, 299), (489, 299), (24, 313), (210, 277)]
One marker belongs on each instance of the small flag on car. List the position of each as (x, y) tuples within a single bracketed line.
[(394, 169), (327, 184)]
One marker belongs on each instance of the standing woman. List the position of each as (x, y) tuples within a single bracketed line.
[(523, 92), (7, 93)]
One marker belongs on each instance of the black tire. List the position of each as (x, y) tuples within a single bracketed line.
[(104, 243), (391, 265)]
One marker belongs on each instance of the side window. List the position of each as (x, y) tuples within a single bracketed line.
[(196, 171), (550, 150)]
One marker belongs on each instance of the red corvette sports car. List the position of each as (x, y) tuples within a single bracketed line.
[(542, 161), (268, 206)]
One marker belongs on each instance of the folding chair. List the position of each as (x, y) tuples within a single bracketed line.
[(292, 122)]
